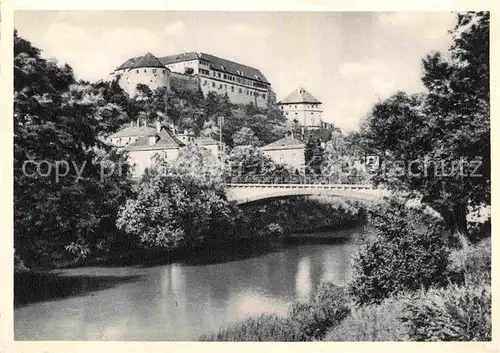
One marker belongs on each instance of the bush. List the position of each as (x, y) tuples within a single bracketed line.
[(473, 263), (327, 309), (452, 314), (306, 322), (405, 250), (372, 323), (262, 328)]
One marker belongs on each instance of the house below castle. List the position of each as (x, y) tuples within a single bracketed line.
[(288, 151), (243, 84), (144, 142)]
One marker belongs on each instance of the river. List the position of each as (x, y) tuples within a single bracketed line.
[(176, 301)]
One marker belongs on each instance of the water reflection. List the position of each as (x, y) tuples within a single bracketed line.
[(181, 301), (303, 279)]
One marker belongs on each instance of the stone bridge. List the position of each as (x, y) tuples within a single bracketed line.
[(246, 193)]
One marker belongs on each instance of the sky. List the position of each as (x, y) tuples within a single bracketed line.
[(347, 60)]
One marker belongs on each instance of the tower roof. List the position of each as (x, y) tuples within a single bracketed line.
[(148, 60), (300, 95)]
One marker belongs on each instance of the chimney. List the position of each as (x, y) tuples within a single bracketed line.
[(152, 140), (158, 126), (131, 124)]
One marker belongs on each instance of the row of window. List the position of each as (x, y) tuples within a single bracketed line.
[(234, 79), (240, 90), (154, 70), (286, 113), (310, 106)]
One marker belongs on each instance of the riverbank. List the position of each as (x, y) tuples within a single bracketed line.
[(257, 229), (434, 315)]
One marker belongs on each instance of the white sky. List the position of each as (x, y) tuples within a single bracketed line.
[(348, 60)]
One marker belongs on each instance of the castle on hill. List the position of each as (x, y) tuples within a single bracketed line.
[(242, 84)]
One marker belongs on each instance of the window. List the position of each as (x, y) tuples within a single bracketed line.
[(295, 106), (213, 84), (205, 82), (240, 90), (281, 107), (144, 70), (225, 87), (220, 86), (137, 71), (218, 74), (264, 95), (225, 77), (232, 88), (154, 71)]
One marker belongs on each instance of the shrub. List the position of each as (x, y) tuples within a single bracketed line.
[(405, 250), (306, 322), (473, 263), (262, 328), (372, 323), (452, 314)]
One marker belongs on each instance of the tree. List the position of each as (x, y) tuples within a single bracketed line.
[(245, 136), (181, 205), (313, 155), (251, 163), (439, 138), (58, 190)]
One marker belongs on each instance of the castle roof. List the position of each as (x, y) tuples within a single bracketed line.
[(133, 131), (164, 141), (284, 143), (300, 95), (148, 60), (215, 63)]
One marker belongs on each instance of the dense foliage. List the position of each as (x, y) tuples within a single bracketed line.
[(61, 199), (404, 250), (457, 313), (437, 144), (180, 205)]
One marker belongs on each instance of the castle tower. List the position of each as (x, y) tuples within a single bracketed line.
[(147, 70), (302, 107)]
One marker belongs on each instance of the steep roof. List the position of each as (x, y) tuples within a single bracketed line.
[(148, 60), (164, 140), (171, 59), (284, 143), (233, 68), (132, 131), (218, 64), (300, 95)]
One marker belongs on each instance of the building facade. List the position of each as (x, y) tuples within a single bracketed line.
[(303, 108), (288, 150), (144, 142), (243, 84)]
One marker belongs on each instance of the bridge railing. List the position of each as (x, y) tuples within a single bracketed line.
[(282, 180), (305, 186)]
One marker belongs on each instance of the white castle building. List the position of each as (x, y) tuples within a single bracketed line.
[(243, 84)]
